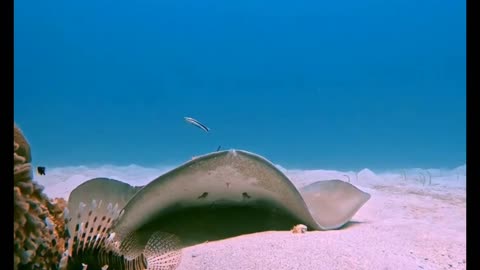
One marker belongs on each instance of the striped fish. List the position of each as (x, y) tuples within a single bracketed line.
[(196, 123)]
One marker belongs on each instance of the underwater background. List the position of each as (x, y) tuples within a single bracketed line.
[(307, 84), (359, 105)]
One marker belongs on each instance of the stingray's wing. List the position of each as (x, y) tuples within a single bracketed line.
[(333, 202)]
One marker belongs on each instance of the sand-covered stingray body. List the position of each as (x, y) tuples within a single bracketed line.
[(229, 193), (38, 222)]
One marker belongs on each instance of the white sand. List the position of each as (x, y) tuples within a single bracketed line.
[(404, 225), (396, 229)]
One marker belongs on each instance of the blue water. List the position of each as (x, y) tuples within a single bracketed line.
[(307, 84)]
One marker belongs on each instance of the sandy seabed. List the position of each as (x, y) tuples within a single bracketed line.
[(398, 228), (402, 226)]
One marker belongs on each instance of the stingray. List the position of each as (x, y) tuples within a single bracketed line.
[(221, 195)]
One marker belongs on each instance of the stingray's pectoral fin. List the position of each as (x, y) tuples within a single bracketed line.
[(163, 251), (333, 203)]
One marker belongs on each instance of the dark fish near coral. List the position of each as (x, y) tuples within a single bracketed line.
[(41, 170), (94, 245), (197, 124)]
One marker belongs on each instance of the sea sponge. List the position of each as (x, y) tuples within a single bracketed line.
[(38, 222)]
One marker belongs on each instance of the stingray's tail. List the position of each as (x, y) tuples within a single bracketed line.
[(93, 245)]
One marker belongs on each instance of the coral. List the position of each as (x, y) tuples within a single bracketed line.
[(55, 209), (38, 222), (40, 230)]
